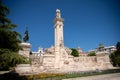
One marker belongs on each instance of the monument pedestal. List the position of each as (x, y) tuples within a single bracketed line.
[(25, 49)]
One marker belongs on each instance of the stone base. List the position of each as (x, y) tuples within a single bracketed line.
[(25, 49), (27, 69), (23, 69)]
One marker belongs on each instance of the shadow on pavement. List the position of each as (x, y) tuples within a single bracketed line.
[(12, 76)]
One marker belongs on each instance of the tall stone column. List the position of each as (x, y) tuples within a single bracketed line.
[(59, 42)]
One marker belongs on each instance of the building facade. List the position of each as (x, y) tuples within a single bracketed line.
[(109, 50)]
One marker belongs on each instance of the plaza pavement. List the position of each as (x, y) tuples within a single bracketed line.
[(113, 76), (3, 72)]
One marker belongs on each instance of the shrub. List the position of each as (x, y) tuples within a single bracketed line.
[(92, 54), (10, 59), (74, 52)]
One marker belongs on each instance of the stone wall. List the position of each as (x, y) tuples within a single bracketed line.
[(67, 63), (23, 68), (82, 63), (48, 61)]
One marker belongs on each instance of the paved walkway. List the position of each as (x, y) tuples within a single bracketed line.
[(3, 72), (114, 76)]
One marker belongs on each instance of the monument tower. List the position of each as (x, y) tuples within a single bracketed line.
[(59, 42), (58, 26)]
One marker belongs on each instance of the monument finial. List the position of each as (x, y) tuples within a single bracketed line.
[(58, 15)]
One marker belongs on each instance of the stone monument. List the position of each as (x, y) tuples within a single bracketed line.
[(59, 42), (57, 58)]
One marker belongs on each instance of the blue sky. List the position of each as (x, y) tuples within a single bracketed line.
[(86, 22)]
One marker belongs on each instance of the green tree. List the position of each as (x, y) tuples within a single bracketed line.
[(118, 48), (115, 56), (9, 38), (9, 41), (74, 52), (92, 54), (10, 59)]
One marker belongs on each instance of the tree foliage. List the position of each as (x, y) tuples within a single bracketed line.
[(115, 56), (118, 48), (9, 41), (10, 59), (74, 52), (92, 54), (9, 38)]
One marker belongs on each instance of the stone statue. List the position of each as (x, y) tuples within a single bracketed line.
[(26, 36)]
